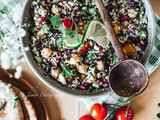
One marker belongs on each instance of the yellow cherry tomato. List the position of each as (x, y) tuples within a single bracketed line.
[(129, 49), (116, 28), (124, 23)]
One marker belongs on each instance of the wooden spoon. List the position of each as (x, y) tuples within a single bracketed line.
[(127, 78)]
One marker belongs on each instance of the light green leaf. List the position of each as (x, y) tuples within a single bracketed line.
[(56, 20)]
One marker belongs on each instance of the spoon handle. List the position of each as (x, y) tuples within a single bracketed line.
[(110, 31)]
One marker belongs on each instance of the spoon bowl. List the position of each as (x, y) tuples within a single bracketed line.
[(128, 78)]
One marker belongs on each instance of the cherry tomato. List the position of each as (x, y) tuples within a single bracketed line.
[(86, 117), (129, 49), (98, 112), (67, 23), (121, 114), (84, 48)]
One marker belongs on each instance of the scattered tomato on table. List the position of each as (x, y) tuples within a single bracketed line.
[(124, 114), (98, 112), (86, 117)]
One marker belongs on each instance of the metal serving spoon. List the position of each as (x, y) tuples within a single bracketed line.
[(127, 78)]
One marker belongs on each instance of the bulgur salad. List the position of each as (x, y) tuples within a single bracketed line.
[(69, 41)]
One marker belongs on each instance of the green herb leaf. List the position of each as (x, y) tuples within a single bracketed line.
[(78, 40), (15, 101), (84, 8), (1, 105), (62, 29), (115, 59), (107, 54), (67, 72), (124, 1), (140, 14), (45, 28), (56, 20), (80, 1), (159, 104), (1, 35), (32, 29), (59, 41), (95, 85), (70, 32), (143, 35), (92, 10), (158, 115), (112, 1), (38, 59)]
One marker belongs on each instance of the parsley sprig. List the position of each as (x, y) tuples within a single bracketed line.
[(66, 33), (68, 73)]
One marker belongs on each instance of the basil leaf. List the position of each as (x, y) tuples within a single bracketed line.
[(56, 20)]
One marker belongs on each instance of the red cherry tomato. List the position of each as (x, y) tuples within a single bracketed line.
[(86, 117), (98, 112), (84, 48), (67, 23), (120, 114)]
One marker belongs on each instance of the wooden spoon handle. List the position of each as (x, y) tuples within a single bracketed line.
[(110, 31)]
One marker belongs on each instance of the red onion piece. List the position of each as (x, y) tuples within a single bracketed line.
[(55, 36), (35, 9), (54, 63), (129, 4), (62, 11), (74, 51), (76, 7), (133, 35), (131, 30), (105, 84)]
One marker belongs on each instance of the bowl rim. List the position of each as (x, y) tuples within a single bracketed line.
[(53, 87)]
